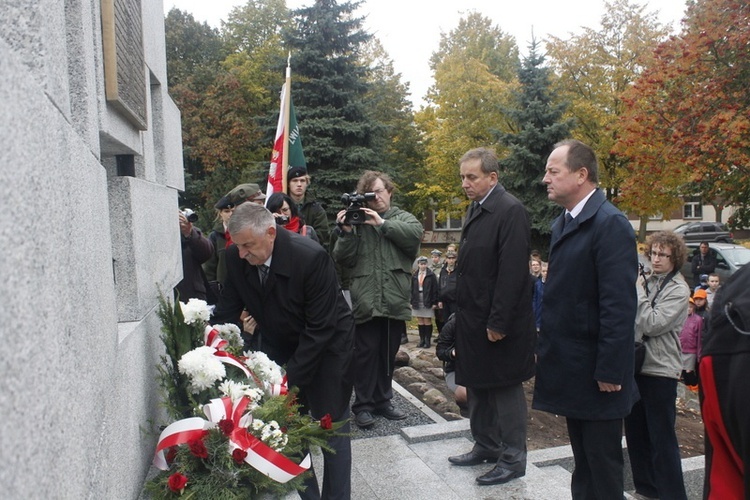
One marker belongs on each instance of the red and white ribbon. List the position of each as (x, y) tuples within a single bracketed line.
[(223, 408), (231, 359), (277, 389), (212, 339), (265, 459), (259, 455), (180, 432)]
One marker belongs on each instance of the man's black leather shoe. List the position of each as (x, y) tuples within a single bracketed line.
[(390, 413), (364, 419), (471, 458), (499, 475)]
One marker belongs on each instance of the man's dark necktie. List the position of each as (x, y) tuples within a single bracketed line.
[(473, 209), (263, 274), (568, 219)]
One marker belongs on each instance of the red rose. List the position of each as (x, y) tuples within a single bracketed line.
[(326, 422), (226, 426), (171, 454), (198, 449), (239, 455), (177, 482)]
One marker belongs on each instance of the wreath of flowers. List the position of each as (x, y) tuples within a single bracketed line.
[(238, 431)]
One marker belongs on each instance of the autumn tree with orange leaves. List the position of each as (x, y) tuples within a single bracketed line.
[(687, 118)]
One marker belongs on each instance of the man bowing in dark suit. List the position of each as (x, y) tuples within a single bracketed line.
[(288, 284), (494, 320)]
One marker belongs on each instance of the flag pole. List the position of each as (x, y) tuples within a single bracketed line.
[(287, 101)]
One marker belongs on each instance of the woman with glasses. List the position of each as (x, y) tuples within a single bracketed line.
[(650, 427)]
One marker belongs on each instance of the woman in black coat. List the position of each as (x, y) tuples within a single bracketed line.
[(424, 300)]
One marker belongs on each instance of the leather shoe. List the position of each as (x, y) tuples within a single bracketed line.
[(364, 419), (471, 458), (499, 475), (390, 413), (404, 339)]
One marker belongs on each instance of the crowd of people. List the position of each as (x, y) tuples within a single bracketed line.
[(606, 342)]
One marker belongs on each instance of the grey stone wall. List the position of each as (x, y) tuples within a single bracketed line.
[(85, 253)]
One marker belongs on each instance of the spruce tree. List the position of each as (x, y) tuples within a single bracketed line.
[(539, 124), (330, 88)]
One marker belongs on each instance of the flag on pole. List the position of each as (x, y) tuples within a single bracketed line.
[(283, 158)]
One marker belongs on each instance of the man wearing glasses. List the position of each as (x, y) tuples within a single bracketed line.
[(376, 255), (585, 352)]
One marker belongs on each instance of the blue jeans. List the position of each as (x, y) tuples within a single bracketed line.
[(652, 441)]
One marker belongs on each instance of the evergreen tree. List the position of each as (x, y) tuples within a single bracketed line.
[(539, 124), (330, 90)]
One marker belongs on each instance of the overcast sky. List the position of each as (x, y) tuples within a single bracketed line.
[(410, 29)]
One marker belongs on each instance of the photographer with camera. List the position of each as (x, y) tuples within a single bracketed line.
[(285, 211), (196, 249), (375, 246)]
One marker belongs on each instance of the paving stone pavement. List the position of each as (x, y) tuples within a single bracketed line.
[(414, 465)]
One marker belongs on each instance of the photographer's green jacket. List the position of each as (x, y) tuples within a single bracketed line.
[(378, 261)]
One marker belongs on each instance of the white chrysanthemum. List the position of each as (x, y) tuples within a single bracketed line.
[(257, 425), (202, 367), (271, 435), (233, 390), (263, 367), (230, 333), (196, 310)]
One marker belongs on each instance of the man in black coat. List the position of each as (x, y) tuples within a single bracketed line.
[(494, 320), (703, 262), (585, 353), (288, 285)]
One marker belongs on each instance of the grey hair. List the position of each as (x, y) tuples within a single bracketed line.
[(487, 159), (250, 216)]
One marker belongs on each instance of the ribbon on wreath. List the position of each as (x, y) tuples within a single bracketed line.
[(259, 455), (212, 339), (180, 432)]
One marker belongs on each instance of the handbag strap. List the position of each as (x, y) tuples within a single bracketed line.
[(667, 279)]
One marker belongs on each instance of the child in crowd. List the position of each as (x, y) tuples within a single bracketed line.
[(701, 309), (690, 340), (703, 285), (536, 298), (713, 287)]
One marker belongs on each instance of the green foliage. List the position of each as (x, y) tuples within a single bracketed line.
[(472, 87), (211, 468), (397, 139), (595, 68), (178, 338), (538, 124), (331, 89)]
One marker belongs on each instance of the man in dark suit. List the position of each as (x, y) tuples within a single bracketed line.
[(494, 320), (288, 285), (585, 352)]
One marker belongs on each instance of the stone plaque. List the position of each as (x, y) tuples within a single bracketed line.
[(124, 65)]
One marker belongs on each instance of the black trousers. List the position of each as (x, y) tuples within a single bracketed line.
[(376, 343), (652, 442), (498, 424), (597, 451)]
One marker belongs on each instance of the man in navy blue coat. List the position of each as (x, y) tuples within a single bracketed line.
[(305, 322), (585, 349)]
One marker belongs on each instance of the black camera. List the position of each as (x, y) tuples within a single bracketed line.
[(190, 215), (354, 202), (282, 219)]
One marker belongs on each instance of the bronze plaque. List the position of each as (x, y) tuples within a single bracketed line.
[(124, 64)]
